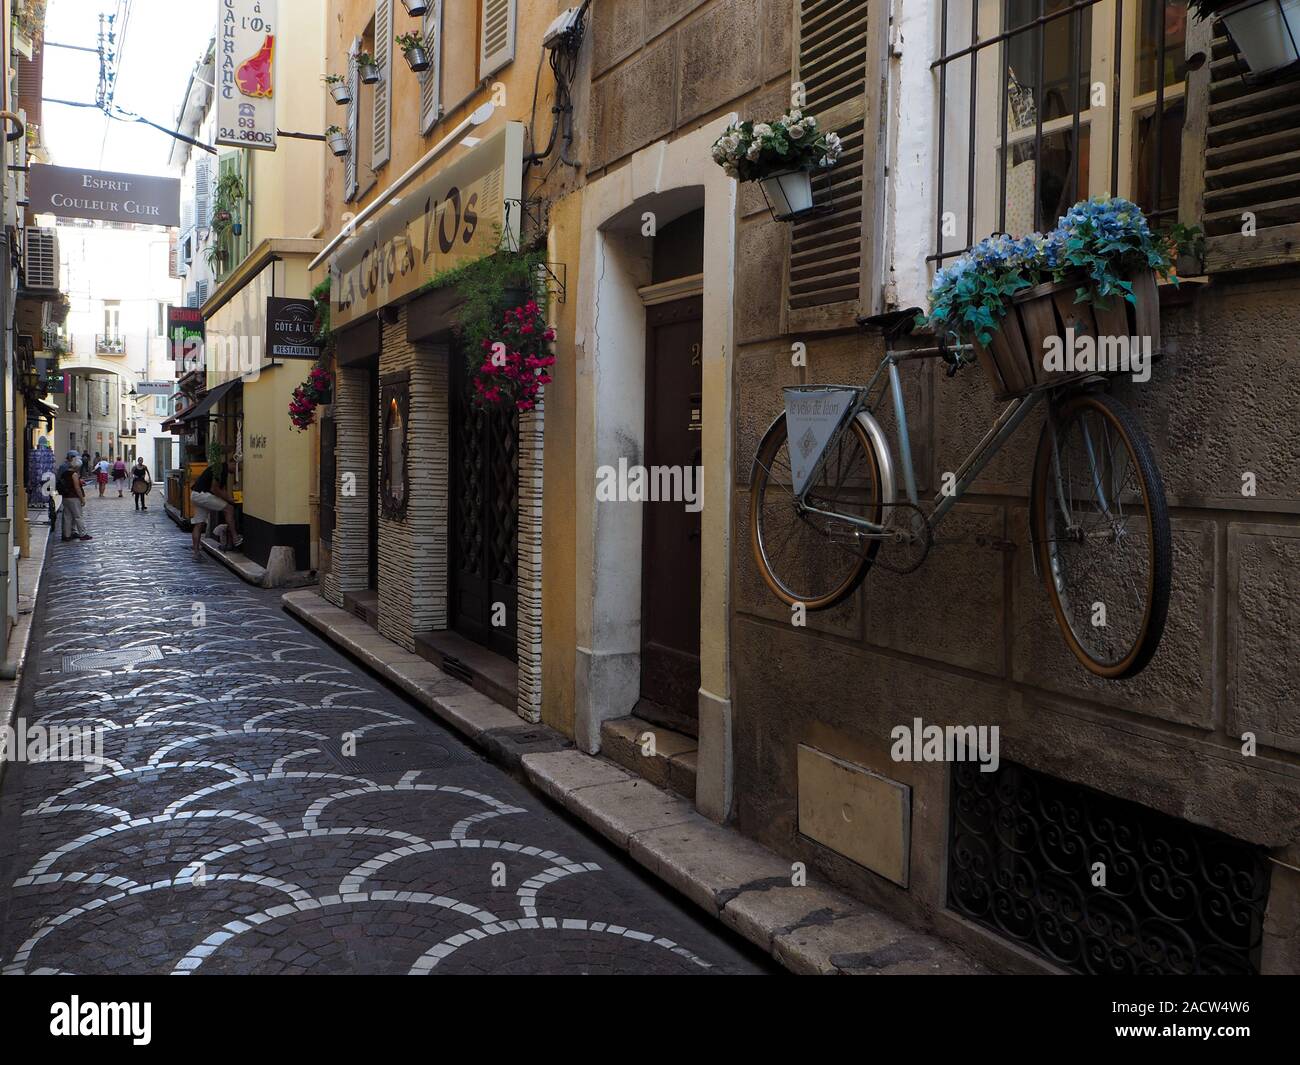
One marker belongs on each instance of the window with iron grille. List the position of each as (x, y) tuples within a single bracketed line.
[(1101, 885), (1046, 102)]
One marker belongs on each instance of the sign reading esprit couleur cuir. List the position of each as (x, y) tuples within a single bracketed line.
[(246, 73), (74, 193), (454, 216)]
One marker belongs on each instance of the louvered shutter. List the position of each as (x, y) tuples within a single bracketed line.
[(431, 79), (203, 192), (350, 183), (1241, 155), (497, 37), (382, 145), (839, 60)]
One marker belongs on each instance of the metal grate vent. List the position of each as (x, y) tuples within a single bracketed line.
[(126, 658), (1027, 852)]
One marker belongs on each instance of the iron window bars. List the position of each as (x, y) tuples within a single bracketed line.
[(1037, 26)]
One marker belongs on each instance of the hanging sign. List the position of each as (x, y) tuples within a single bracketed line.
[(449, 219), (185, 331), (246, 73), (291, 329), (811, 417), (155, 388), (71, 192)]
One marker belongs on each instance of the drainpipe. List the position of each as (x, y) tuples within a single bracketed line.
[(8, 671)]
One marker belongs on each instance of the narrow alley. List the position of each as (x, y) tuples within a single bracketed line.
[(225, 831)]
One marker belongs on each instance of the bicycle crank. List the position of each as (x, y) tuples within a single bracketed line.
[(909, 548)]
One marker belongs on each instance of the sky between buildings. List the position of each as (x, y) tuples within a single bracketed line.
[(157, 50)]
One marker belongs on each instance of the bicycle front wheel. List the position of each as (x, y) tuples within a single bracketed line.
[(1100, 524), (810, 558)]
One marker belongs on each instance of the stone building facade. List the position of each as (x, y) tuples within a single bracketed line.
[(795, 722)]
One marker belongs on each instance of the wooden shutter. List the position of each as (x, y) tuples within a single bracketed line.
[(351, 184), (431, 79), (839, 59), (1241, 154), (497, 36), (203, 191), (382, 145)]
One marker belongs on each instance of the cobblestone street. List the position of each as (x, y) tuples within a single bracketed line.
[(226, 831)]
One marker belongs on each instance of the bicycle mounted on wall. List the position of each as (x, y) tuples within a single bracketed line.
[(822, 511)]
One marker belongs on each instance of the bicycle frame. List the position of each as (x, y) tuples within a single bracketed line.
[(1007, 423)]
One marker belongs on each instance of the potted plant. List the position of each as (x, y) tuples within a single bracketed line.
[(338, 141), (781, 155), (338, 87), (416, 8), (1265, 32), (412, 45), (1094, 275), (317, 390), (515, 360), (368, 68)]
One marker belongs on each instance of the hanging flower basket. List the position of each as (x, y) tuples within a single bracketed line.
[(368, 68), (412, 46), (416, 8), (1265, 32), (339, 88), (338, 141), (316, 391), (516, 361), (781, 156)]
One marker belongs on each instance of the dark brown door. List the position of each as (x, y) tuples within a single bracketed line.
[(372, 504), (484, 518), (670, 557)]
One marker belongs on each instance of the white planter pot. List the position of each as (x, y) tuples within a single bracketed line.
[(341, 93), (416, 8), (790, 192), (369, 74), (418, 60), (1266, 31), (338, 144)]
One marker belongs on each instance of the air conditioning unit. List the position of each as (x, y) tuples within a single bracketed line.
[(41, 259)]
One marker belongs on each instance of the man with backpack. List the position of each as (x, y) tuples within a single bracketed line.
[(67, 483)]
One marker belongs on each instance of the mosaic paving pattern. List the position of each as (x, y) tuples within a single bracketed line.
[(260, 805)]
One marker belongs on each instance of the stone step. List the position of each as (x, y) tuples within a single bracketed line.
[(663, 757)]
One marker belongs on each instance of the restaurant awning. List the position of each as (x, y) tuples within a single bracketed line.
[(203, 406)]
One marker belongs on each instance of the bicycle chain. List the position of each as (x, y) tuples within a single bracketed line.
[(930, 542)]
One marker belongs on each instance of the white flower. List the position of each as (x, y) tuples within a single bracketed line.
[(762, 130), (755, 150), (796, 131), (794, 116)]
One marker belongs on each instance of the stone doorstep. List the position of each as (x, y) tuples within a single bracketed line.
[(809, 929), (672, 765)]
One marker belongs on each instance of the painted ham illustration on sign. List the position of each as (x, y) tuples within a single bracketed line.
[(254, 75)]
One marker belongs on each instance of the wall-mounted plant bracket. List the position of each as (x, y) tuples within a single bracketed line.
[(533, 222)]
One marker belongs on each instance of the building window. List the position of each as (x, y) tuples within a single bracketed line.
[(395, 399), (112, 320), (1045, 102), (1100, 885), (72, 395)]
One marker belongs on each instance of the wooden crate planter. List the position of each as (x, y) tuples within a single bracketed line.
[(1013, 358)]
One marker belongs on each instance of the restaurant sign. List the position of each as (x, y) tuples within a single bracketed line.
[(451, 218), (185, 330), (72, 192), (246, 73), (291, 329)]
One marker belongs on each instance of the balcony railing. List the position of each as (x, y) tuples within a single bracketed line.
[(109, 345)]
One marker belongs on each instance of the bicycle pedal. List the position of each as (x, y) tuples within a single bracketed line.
[(840, 533)]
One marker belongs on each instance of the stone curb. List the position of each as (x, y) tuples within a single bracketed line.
[(238, 563), (28, 572), (810, 930)]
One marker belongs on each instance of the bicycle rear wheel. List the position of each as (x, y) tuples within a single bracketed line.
[(1100, 524), (804, 557)]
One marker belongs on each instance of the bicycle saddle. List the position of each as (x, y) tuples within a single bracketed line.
[(892, 324)]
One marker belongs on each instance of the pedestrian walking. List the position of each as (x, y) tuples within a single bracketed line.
[(210, 497), (141, 484), (119, 475), (68, 484), (101, 475)]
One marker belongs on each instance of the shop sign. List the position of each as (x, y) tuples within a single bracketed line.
[(291, 329), (451, 218), (154, 388), (246, 73), (71, 192), (185, 337)]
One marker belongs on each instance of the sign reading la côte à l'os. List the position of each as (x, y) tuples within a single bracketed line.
[(110, 197), (291, 329), (451, 218)]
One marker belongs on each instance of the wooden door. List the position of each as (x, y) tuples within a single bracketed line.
[(670, 555)]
